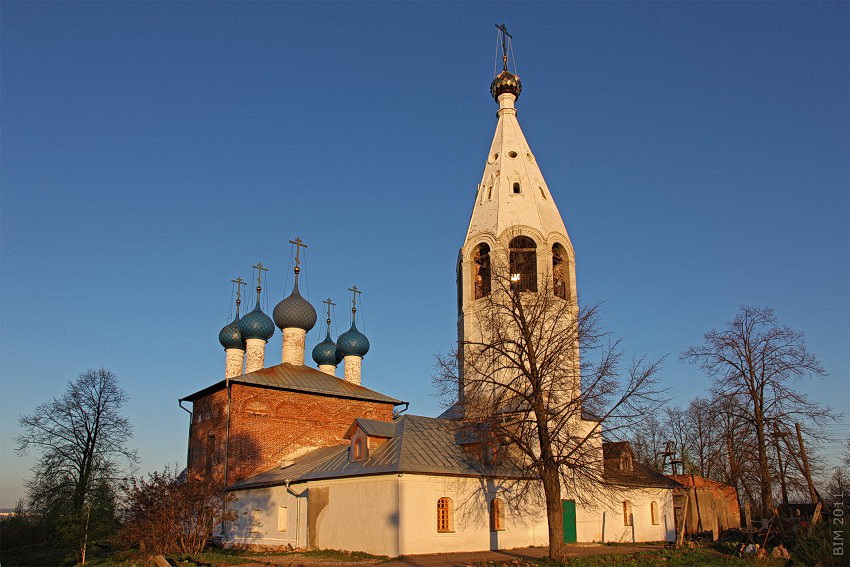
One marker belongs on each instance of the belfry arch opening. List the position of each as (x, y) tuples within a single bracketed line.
[(559, 271), (523, 264), (481, 270)]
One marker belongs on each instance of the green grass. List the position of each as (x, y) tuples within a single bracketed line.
[(337, 555)]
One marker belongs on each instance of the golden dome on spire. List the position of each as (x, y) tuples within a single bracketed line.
[(505, 82)]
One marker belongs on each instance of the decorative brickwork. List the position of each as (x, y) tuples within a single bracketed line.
[(268, 425)]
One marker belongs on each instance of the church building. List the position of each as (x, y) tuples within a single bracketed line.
[(320, 461)]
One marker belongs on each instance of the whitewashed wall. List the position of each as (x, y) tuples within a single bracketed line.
[(397, 515), (608, 513), (259, 517), (361, 515), (418, 495)]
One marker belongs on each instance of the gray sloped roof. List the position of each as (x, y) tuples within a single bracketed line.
[(376, 428), (418, 444), (639, 475), (301, 378)]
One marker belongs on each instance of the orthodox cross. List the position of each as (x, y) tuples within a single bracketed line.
[(260, 269), (329, 303), (354, 293), (504, 29), (239, 283), (299, 244)]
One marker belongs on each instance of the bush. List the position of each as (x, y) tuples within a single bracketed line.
[(170, 514)]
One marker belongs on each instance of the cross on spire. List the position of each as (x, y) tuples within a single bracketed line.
[(239, 283), (299, 244), (354, 293), (260, 269), (329, 303), (505, 36)]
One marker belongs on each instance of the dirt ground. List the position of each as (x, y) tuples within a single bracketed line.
[(455, 559)]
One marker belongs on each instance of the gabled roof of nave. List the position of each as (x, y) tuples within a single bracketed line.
[(497, 208), (301, 378)]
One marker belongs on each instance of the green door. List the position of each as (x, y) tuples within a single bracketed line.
[(569, 521)]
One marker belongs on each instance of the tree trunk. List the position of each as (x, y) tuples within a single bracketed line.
[(554, 511), (764, 469), (813, 493)]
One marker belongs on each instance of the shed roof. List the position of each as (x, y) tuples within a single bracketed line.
[(300, 378)]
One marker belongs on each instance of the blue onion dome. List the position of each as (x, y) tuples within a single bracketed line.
[(326, 352), (256, 325), (294, 311), (230, 337), (505, 82), (352, 343)]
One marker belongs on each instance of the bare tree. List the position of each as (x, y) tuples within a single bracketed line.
[(174, 514), (754, 363), (543, 411), (649, 442), (81, 439)]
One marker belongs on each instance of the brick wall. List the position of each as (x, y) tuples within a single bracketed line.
[(267, 425)]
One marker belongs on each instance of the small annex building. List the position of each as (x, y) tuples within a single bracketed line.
[(705, 505), (320, 461)]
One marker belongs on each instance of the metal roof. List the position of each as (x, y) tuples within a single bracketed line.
[(639, 475), (418, 445), (301, 378)]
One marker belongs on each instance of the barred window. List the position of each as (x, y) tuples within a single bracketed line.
[(497, 515), (444, 515)]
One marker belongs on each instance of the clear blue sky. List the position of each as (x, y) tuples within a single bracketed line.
[(152, 151)]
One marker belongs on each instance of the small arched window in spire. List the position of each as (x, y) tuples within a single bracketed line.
[(481, 270), (559, 271), (523, 263), (517, 188)]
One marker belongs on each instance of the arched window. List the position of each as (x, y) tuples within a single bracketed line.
[(523, 260), (481, 270), (444, 515), (559, 271), (653, 510), (497, 515), (627, 513), (516, 187)]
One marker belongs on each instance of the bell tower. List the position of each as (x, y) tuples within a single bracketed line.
[(515, 229)]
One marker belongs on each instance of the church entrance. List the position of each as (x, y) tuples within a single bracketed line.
[(569, 521)]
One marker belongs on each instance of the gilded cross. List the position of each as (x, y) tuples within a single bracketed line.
[(239, 283), (504, 29), (354, 293), (329, 303), (260, 269), (299, 244)]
